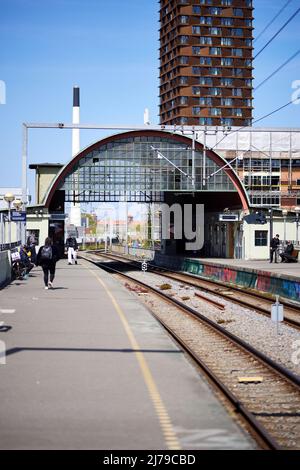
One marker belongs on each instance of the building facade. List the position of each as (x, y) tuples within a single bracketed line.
[(206, 62)]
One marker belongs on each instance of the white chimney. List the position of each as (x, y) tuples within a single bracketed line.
[(146, 117), (76, 120)]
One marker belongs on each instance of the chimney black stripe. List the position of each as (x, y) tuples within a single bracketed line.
[(76, 97)]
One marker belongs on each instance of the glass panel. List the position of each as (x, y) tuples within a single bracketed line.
[(143, 168)]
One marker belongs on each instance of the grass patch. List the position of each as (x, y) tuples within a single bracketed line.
[(165, 286)]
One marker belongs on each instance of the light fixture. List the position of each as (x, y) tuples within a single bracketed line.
[(17, 204), (9, 197)]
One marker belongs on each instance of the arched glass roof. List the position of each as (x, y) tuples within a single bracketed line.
[(134, 167)]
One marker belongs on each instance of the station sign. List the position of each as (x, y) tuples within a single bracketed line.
[(228, 217), (18, 216)]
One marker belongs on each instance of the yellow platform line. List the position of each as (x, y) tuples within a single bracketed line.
[(161, 411)]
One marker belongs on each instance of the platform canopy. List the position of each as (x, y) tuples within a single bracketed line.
[(140, 166)]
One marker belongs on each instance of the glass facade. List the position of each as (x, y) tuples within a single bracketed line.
[(131, 168)]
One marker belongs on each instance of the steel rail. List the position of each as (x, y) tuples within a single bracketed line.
[(171, 274)]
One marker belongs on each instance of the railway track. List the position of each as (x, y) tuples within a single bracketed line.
[(252, 300), (264, 393)]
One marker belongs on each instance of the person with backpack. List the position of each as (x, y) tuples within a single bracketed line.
[(72, 248), (47, 258)]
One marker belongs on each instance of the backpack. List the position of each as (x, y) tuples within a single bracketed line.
[(46, 253)]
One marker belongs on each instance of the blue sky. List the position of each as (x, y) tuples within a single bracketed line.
[(109, 49)]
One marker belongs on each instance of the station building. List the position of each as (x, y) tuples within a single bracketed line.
[(154, 166)]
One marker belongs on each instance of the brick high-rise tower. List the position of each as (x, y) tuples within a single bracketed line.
[(206, 62)]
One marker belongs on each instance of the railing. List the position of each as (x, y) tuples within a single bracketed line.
[(9, 246)]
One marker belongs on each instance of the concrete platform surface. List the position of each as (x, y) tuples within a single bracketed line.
[(88, 367)]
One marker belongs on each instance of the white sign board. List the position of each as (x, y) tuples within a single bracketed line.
[(277, 312)]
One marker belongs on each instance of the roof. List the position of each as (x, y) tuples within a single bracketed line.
[(34, 166)]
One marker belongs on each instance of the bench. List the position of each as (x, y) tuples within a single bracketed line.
[(294, 255), (292, 258)]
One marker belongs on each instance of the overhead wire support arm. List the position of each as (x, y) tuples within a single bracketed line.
[(160, 156)]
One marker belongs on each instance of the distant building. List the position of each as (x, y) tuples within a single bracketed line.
[(206, 58)]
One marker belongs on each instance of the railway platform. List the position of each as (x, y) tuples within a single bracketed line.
[(88, 367), (271, 278)]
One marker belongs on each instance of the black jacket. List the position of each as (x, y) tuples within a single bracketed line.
[(275, 243), (43, 262), (289, 249), (71, 242)]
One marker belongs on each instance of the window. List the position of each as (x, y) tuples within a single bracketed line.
[(226, 102), (183, 120), (196, 50), (196, 70), (196, 110), (215, 11), (226, 41), (206, 20), (184, 59), (215, 31), (237, 32), (205, 121), (261, 238), (205, 40), (196, 9), (226, 3), (196, 90), (196, 30), (205, 101), (183, 100), (226, 21), (215, 50), (183, 80), (205, 81), (226, 81), (215, 91), (237, 112), (184, 19), (238, 12), (226, 61), (183, 39), (226, 122), (214, 70), (215, 111), (205, 60), (237, 52)]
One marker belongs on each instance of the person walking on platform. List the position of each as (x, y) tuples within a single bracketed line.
[(274, 248), (47, 258), (72, 247)]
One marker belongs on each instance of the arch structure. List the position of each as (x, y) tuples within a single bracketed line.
[(130, 165)]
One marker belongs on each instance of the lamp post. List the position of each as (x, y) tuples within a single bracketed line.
[(297, 212), (9, 197), (18, 206), (284, 213), (271, 225)]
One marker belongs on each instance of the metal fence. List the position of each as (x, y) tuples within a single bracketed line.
[(9, 246)]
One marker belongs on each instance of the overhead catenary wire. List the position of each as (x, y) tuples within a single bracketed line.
[(277, 70), (278, 32), (257, 120), (272, 20)]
